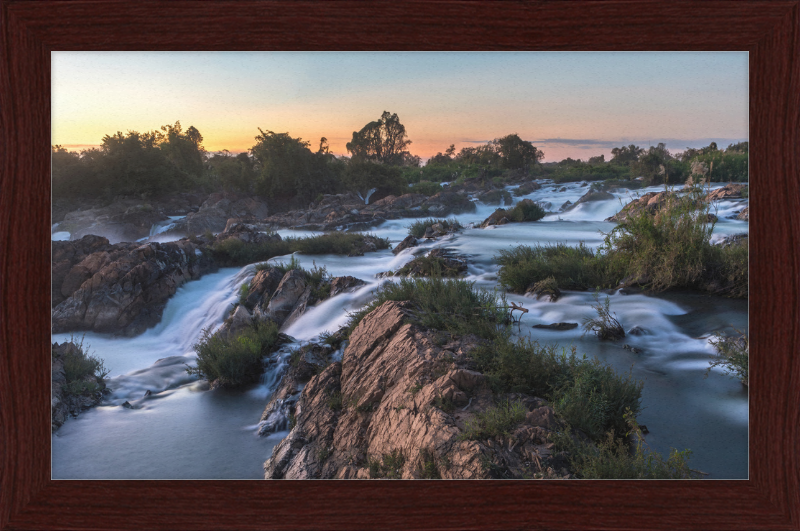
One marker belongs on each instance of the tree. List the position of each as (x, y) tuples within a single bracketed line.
[(383, 141), (600, 159), (517, 154), (626, 155), (288, 169), (366, 178)]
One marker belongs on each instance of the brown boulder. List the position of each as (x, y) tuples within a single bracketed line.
[(407, 243), (396, 406), (286, 296), (729, 191)]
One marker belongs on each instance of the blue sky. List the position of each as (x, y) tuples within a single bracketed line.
[(555, 99)]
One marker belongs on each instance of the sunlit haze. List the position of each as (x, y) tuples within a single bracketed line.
[(567, 104)]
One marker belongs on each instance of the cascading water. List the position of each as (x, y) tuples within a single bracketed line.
[(182, 430)]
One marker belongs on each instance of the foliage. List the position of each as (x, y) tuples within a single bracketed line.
[(733, 355), (570, 267), (516, 153), (427, 467), (389, 466), (547, 287), (235, 361), (605, 326), (83, 372), (442, 304), (289, 169), (425, 188), (494, 422), (585, 392), (611, 457), (234, 252), (362, 176), (429, 266), (383, 141), (417, 229)]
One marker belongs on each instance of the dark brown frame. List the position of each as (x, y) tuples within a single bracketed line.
[(769, 30)]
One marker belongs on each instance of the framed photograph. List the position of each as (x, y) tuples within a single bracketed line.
[(759, 493)]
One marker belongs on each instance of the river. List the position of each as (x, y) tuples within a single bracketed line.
[(181, 430)]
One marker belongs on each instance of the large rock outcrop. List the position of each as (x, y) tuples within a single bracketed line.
[(729, 191), (397, 406), (650, 203), (118, 288), (215, 212)]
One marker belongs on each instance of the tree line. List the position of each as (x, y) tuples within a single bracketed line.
[(283, 168)]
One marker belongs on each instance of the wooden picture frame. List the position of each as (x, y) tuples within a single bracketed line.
[(769, 30)]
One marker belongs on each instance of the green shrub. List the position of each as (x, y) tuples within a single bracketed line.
[(733, 354), (442, 304), (569, 382), (235, 361), (526, 210), (244, 289), (427, 467), (335, 401), (605, 326), (234, 252), (495, 421), (83, 372), (612, 458), (429, 266), (546, 288), (570, 267), (389, 466), (666, 250), (418, 228)]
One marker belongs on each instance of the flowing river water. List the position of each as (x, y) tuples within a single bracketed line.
[(181, 430)]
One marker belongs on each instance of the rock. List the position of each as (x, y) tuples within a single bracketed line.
[(263, 286), (215, 212), (566, 205), (638, 331), (396, 392), (557, 326), (650, 203), (744, 214), (126, 285), (282, 303), (240, 320), (247, 232), (589, 196), (407, 243), (729, 191), (446, 203), (345, 284), (527, 188), (632, 349), (495, 197), (438, 261), (734, 239)]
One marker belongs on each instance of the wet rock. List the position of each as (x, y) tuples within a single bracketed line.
[(729, 191), (126, 285), (345, 284), (495, 197), (650, 203), (557, 326), (734, 239), (263, 286), (638, 331), (744, 214), (590, 196), (527, 188), (566, 205), (437, 262), (632, 349), (240, 320), (407, 243), (282, 303)]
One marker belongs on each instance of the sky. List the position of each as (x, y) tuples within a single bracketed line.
[(567, 104)]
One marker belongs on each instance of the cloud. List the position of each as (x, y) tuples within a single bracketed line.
[(672, 143)]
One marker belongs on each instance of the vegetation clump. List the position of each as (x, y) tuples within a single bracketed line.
[(733, 355), (569, 267), (495, 421), (612, 458), (605, 325), (234, 252), (671, 249), (525, 210), (83, 372), (388, 466), (235, 361), (441, 304), (420, 227)]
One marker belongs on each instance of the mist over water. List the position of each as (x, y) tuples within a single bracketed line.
[(183, 431)]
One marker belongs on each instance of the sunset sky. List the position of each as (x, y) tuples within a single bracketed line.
[(568, 104)]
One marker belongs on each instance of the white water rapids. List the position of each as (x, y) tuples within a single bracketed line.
[(183, 431)]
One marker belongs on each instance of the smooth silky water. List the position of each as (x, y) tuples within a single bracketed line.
[(182, 430)]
